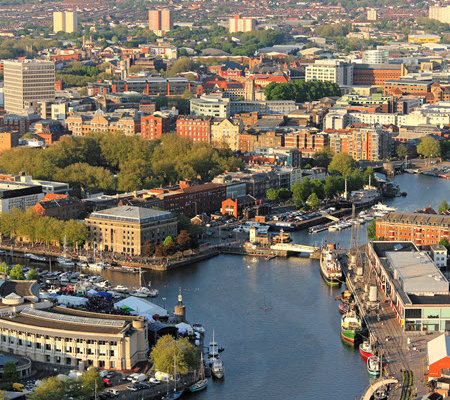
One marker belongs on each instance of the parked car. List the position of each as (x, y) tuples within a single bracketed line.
[(115, 392), (154, 381), (133, 388)]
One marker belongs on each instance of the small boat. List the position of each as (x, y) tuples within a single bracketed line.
[(96, 265), (344, 307), (176, 394), (366, 349), (282, 237), (35, 258), (120, 289), (65, 262), (198, 328), (217, 369), (351, 327), (373, 366), (144, 292), (203, 382), (330, 267)]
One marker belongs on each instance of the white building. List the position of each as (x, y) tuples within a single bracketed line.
[(439, 255), (380, 56), (211, 106), (336, 120), (238, 24), (28, 82), (335, 71), (19, 195), (372, 119)]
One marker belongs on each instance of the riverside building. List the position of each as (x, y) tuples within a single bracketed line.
[(418, 290)]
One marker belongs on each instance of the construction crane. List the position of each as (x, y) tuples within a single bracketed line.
[(354, 43)]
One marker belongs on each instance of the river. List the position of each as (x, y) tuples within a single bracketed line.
[(293, 349)]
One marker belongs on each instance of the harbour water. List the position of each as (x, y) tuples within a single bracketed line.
[(277, 320)]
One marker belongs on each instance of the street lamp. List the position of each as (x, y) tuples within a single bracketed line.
[(164, 302)]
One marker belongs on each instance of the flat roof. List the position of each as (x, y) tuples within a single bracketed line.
[(416, 273), (131, 214)]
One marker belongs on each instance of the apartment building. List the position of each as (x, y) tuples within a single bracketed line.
[(27, 82), (308, 142), (225, 132), (153, 126), (419, 228), (160, 21), (379, 56), (373, 144), (196, 128), (239, 24), (65, 21)]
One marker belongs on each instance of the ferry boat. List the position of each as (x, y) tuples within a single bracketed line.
[(282, 237), (383, 207), (373, 366), (351, 327), (366, 349), (330, 266)]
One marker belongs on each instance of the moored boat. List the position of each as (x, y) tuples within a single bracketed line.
[(330, 267), (373, 366), (351, 327), (65, 262), (344, 307), (218, 369), (35, 258), (366, 349)]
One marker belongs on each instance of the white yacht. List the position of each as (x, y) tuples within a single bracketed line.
[(65, 262)]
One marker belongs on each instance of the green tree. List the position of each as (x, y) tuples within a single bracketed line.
[(369, 173), (91, 382), (401, 151), (16, 273), (75, 232), (443, 207), (10, 373), (32, 275), (429, 147), (4, 269), (323, 158), (168, 240), (355, 180), (187, 94), (272, 194), (301, 191), (317, 187), (445, 242), (168, 351), (51, 388), (372, 230), (313, 201), (284, 194), (342, 163)]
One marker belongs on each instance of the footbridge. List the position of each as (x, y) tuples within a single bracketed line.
[(333, 218), (296, 248)]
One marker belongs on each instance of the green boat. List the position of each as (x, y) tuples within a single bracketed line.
[(351, 327)]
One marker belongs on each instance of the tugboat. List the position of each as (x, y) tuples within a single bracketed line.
[(330, 266), (366, 349), (351, 327), (373, 366)]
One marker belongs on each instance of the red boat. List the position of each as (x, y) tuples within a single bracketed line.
[(344, 307), (366, 350)]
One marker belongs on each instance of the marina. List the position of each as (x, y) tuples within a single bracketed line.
[(259, 308)]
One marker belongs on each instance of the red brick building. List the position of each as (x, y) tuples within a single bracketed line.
[(60, 206), (376, 74), (192, 200), (197, 128), (306, 141), (235, 207), (153, 126), (422, 229)]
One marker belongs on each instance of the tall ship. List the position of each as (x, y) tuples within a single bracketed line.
[(351, 327), (330, 267)]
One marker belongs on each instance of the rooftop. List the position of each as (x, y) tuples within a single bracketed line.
[(132, 214), (416, 273)]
